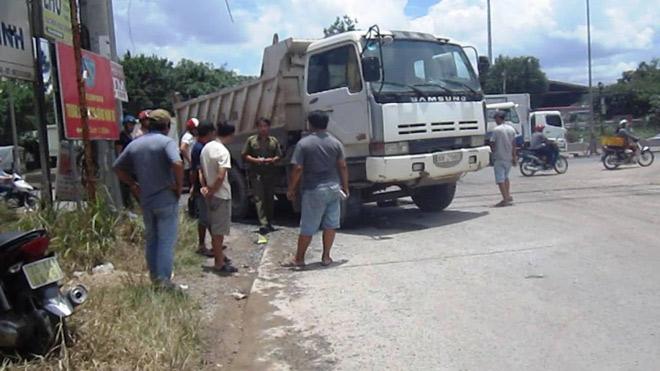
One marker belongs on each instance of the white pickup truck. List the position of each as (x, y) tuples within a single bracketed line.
[(407, 106)]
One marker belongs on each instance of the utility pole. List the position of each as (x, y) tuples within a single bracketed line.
[(96, 15), (39, 110), (89, 163), (490, 37), (14, 129), (592, 138)]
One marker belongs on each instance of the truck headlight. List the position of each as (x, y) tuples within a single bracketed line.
[(477, 141), (389, 149)]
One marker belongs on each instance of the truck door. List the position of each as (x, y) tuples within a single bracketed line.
[(554, 127), (334, 85)]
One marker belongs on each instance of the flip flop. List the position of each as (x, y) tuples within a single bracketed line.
[(205, 252), (501, 204), (327, 264), (292, 264)]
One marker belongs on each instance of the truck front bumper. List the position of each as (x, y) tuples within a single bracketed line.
[(428, 166)]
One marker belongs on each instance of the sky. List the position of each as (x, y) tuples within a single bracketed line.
[(624, 33)]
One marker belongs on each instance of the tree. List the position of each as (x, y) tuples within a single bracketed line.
[(149, 81), (522, 74), (343, 24), (23, 107), (192, 79), (636, 92)]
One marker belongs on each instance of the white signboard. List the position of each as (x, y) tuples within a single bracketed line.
[(119, 82), (16, 59)]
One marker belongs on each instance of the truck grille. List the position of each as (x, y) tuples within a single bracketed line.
[(437, 127), (438, 144)]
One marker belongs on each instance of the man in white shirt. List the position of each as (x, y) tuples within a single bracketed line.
[(505, 155), (215, 163), (187, 143)]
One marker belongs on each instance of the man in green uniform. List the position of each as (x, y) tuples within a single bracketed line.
[(262, 151)]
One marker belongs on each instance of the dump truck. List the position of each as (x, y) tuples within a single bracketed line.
[(407, 106)]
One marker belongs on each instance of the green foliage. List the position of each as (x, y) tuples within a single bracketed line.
[(341, 24), (23, 106), (523, 75), (152, 81), (636, 92)]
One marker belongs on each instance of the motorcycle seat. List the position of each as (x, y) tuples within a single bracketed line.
[(10, 240)]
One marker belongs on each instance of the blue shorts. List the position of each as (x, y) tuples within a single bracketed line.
[(502, 169), (202, 210), (321, 208)]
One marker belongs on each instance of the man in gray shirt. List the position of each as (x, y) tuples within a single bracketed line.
[(319, 160), (155, 159), (503, 145)]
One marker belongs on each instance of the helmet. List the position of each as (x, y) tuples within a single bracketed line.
[(623, 122), (192, 123), (540, 127), (144, 114), (129, 118)]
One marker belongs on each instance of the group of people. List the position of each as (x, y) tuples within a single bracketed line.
[(152, 168)]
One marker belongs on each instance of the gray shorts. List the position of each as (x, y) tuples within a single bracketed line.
[(219, 216), (502, 169)]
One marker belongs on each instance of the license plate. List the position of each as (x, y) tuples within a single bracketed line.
[(43, 272), (441, 158)]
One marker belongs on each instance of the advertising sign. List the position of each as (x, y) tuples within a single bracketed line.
[(56, 20), (65, 181), (16, 59), (99, 93), (119, 82)]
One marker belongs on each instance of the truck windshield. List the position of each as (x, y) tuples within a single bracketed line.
[(430, 66), (511, 115)]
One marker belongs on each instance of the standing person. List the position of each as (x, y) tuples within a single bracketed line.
[(125, 137), (155, 159), (205, 134), (262, 151), (215, 163), (319, 160), (187, 142), (505, 155), (143, 118)]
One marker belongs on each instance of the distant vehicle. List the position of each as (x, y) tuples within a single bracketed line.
[(652, 142), (530, 164), (523, 107), (512, 118), (616, 154)]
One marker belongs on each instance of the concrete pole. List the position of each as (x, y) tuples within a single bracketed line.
[(14, 129), (592, 138), (490, 36), (97, 17)]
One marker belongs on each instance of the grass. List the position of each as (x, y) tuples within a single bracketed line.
[(126, 323)]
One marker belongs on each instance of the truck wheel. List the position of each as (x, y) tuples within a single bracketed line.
[(351, 210), (434, 198), (240, 201)]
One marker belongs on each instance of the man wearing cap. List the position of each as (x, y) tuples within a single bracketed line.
[(125, 137), (143, 118), (155, 159), (187, 143), (505, 154)]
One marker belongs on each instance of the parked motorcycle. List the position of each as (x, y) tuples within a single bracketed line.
[(33, 308), (19, 192), (530, 164), (615, 156)]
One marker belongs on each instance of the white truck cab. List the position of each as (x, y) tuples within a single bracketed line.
[(553, 124), (512, 117)]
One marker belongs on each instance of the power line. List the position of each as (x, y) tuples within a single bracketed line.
[(229, 10)]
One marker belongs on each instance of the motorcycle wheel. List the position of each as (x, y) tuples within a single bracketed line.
[(610, 161), (561, 165), (526, 167), (645, 158)]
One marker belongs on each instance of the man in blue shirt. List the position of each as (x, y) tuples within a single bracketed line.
[(155, 159)]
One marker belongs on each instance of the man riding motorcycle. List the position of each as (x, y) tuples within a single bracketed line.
[(623, 131), (542, 147)]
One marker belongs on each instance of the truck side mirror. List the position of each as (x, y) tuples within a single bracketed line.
[(483, 65), (371, 69)]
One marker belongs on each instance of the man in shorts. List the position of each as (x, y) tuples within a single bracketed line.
[(216, 162), (505, 155), (205, 134), (319, 160)]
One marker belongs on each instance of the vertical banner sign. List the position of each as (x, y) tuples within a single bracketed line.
[(65, 182), (98, 88), (16, 59), (56, 20), (119, 82)]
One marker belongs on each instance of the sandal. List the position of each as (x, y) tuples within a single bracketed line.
[(292, 263)]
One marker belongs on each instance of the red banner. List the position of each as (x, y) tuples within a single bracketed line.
[(99, 91)]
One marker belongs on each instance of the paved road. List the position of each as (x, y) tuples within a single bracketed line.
[(567, 279)]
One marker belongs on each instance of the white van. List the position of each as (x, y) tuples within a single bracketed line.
[(512, 117)]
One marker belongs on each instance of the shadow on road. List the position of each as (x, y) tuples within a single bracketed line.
[(376, 220)]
